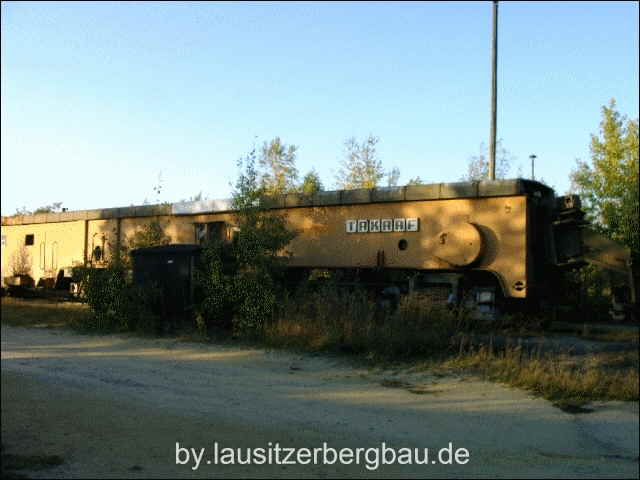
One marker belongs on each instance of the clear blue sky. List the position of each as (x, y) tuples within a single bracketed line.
[(98, 98)]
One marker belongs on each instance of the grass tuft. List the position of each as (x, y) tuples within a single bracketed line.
[(565, 380), (350, 322), (42, 313)]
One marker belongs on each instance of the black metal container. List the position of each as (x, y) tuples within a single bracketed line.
[(171, 268)]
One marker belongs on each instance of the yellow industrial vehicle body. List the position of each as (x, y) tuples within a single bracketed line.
[(489, 239), (453, 234)]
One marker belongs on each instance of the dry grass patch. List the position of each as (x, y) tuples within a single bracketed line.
[(566, 380), (351, 322), (42, 313), (614, 336), (591, 332)]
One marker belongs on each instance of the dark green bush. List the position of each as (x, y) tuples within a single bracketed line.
[(239, 283), (214, 281), (116, 304)]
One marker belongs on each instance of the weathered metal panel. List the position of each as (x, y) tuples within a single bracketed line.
[(494, 188), (127, 212), (422, 192), (326, 198), (298, 200), (67, 216), (39, 218), (161, 209), (459, 190), (110, 213), (272, 202), (119, 212), (145, 210), (52, 217), (387, 194), (360, 195), (484, 188), (93, 214)]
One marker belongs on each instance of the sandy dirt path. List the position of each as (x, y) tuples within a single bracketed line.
[(115, 406)]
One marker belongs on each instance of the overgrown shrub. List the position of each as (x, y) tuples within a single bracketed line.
[(330, 318), (256, 293), (21, 262), (116, 304), (239, 283), (588, 293), (149, 235), (214, 281)]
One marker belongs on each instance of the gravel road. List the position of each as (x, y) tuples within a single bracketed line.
[(115, 406)]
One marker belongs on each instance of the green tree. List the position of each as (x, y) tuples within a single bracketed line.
[(215, 281), (54, 207), (114, 301), (279, 174), (262, 233), (415, 181), (360, 167), (150, 235), (21, 211), (240, 282), (393, 176), (311, 183), (608, 185), (478, 166)]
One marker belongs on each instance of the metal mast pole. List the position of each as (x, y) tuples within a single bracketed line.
[(533, 159), (494, 94)]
